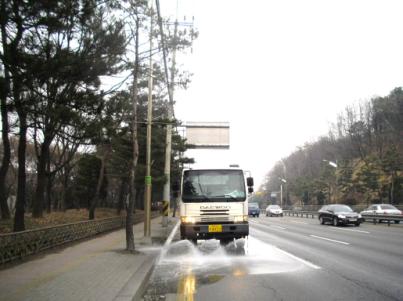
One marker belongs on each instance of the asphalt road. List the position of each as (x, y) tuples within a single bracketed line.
[(285, 259)]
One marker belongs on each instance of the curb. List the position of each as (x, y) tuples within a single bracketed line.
[(134, 288)]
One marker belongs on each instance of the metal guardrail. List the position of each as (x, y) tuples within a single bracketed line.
[(375, 218), (300, 213)]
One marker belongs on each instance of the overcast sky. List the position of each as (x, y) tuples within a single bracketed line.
[(281, 71)]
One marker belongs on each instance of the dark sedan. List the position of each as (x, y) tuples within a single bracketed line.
[(253, 209), (339, 215)]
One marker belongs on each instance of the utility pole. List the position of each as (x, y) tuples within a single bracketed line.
[(285, 177), (148, 180), (333, 164), (170, 85), (281, 190), (168, 139), (281, 195)]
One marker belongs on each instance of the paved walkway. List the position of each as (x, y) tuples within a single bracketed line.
[(95, 269)]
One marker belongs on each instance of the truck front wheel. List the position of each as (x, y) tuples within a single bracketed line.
[(225, 241)]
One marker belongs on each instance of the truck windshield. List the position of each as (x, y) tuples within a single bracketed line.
[(213, 186)]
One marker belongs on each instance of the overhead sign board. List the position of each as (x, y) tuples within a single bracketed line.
[(208, 134)]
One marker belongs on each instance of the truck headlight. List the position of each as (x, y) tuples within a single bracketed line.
[(240, 218), (188, 219)]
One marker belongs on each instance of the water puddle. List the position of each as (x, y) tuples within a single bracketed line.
[(183, 266)]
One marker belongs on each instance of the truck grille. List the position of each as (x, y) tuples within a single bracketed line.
[(214, 219)]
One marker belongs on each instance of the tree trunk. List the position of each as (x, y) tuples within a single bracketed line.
[(19, 223), (64, 188), (5, 90), (95, 200), (130, 246), (11, 60), (5, 211), (122, 195), (38, 200), (49, 184)]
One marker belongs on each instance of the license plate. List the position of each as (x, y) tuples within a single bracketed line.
[(353, 219), (214, 228)]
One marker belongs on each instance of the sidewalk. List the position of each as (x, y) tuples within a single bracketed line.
[(95, 269)]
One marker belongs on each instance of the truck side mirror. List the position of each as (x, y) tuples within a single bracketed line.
[(175, 186), (249, 181), (250, 189)]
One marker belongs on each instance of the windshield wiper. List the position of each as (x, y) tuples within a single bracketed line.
[(205, 197), (227, 196)]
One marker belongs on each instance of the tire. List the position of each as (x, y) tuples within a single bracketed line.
[(396, 222), (335, 221), (225, 241), (267, 214), (321, 220), (357, 224), (281, 215)]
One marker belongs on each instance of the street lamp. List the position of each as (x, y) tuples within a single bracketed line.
[(281, 191), (333, 164), (285, 176)]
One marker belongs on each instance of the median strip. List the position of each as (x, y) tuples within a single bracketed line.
[(332, 240)]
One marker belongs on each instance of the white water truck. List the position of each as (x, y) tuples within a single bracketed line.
[(214, 204)]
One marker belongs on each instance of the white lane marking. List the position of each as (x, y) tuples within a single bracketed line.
[(307, 263), (265, 225), (310, 264), (300, 222), (352, 230), (324, 238), (278, 227)]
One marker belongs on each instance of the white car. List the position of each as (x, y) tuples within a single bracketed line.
[(274, 210), (381, 209)]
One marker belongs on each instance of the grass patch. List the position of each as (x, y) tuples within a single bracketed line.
[(58, 218)]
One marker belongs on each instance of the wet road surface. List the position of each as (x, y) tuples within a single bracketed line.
[(284, 259)]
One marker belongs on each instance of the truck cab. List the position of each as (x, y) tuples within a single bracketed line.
[(213, 204)]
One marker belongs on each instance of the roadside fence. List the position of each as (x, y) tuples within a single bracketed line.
[(18, 245)]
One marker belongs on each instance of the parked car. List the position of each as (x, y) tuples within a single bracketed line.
[(338, 214), (253, 209), (274, 210), (382, 209)]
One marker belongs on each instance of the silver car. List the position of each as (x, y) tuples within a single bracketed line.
[(274, 210), (381, 209)]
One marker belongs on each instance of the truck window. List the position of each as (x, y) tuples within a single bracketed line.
[(213, 185)]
